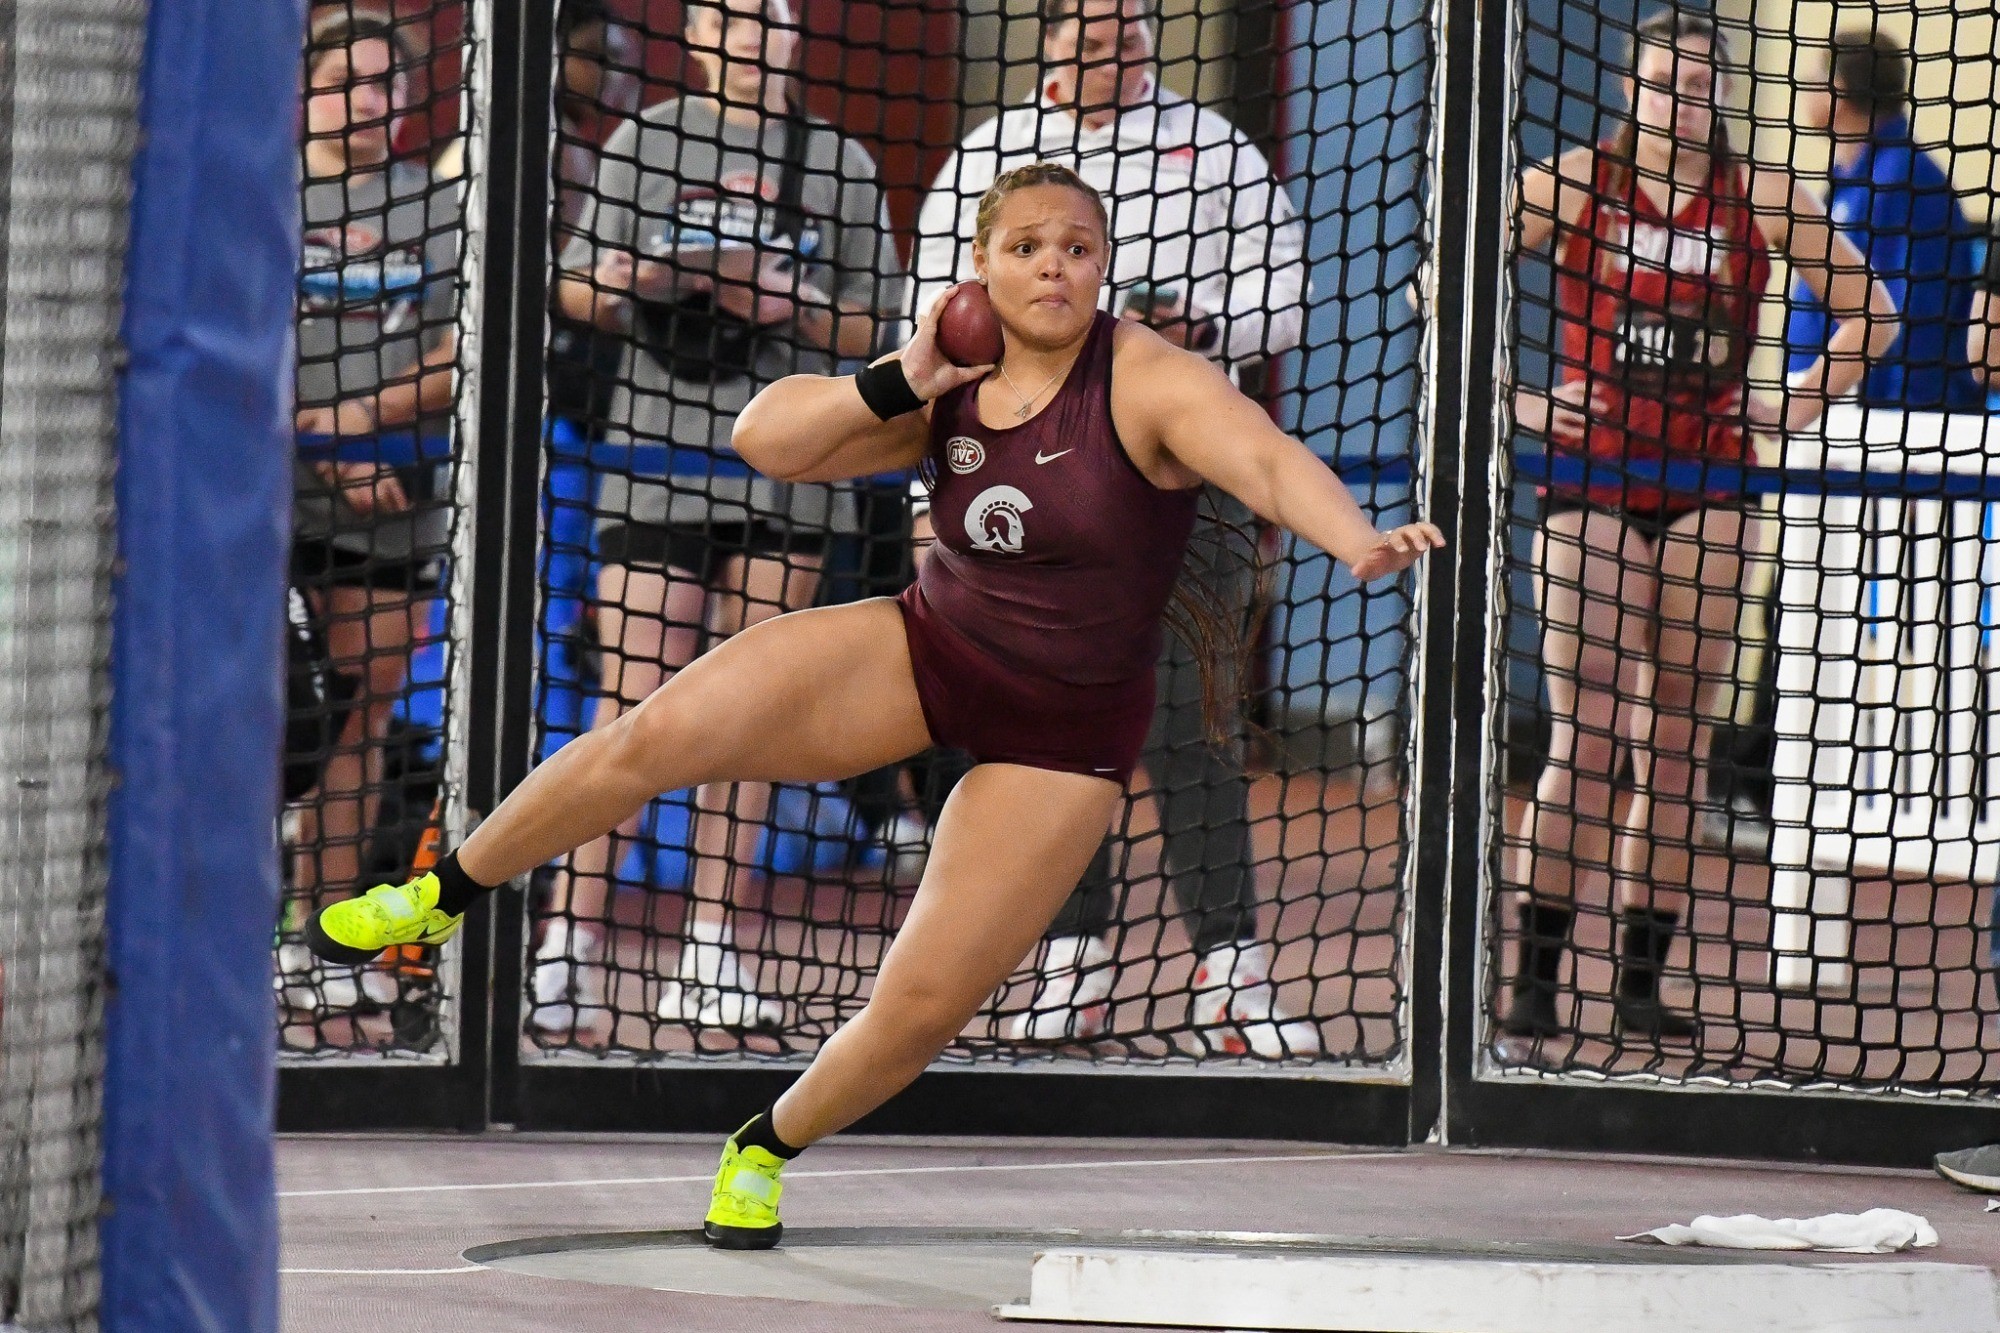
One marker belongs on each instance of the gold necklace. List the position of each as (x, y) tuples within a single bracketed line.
[(1028, 400)]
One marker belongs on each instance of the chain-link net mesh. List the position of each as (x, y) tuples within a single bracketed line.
[(68, 120), (1743, 810), (378, 356), (763, 187)]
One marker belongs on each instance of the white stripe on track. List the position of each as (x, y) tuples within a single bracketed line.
[(1094, 1164), (382, 1272)]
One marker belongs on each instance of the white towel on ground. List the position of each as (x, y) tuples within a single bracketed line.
[(1877, 1231)]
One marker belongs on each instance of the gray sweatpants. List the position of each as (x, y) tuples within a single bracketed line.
[(1203, 793)]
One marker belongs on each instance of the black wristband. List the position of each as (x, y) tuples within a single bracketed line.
[(1993, 261), (886, 389)]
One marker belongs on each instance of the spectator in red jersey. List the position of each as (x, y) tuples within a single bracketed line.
[(1663, 240)]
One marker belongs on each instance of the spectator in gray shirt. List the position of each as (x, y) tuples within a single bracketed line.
[(737, 240), (376, 346)]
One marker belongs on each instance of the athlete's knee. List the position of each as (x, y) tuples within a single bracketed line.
[(920, 1014), (1673, 691), (1669, 732), (1563, 790), (657, 731), (1597, 666), (1581, 750)]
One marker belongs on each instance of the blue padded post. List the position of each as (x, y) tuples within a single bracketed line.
[(190, 1233)]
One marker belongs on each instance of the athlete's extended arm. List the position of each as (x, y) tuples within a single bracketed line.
[(1837, 273), (1192, 420), (817, 428)]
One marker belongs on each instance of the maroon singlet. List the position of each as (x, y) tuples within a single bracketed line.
[(1036, 625)]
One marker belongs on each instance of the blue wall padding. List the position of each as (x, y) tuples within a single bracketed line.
[(190, 1235)]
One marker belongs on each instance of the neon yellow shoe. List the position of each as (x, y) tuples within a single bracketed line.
[(354, 931), (743, 1210)]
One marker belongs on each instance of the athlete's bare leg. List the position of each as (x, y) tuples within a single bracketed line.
[(1011, 844), (1701, 565), (808, 697), (1595, 588)]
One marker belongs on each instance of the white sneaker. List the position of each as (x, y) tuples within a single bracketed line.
[(1236, 1008), (569, 979), (1072, 1002), (712, 989), (306, 985), (378, 984), (907, 839)]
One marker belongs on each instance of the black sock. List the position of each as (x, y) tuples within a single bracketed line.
[(456, 889), (759, 1133), (1646, 936), (1544, 936)]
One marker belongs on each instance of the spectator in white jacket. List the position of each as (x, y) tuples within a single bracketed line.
[(1205, 245), (1208, 250)]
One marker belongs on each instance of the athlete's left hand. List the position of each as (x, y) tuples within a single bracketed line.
[(1397, 550)]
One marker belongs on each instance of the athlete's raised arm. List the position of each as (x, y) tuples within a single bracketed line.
[(822, 428), (1183, 422)]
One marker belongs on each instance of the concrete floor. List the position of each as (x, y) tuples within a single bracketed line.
[(374, 1228)]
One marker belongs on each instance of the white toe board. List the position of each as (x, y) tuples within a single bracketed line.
[(1375, 1292)]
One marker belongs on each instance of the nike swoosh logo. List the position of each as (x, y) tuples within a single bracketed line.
[(1050, 458)]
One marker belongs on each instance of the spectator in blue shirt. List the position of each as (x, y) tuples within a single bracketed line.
[(1896, 204)]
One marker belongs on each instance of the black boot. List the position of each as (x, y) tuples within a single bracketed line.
[(1645, 936), (1544, 935)]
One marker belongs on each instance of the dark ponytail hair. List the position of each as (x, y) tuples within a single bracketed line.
[(1670, 30), (1221, 636)]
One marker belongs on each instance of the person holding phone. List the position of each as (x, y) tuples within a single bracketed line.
[(1207, 251), (731, 239)]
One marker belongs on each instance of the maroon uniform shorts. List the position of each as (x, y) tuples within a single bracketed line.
[(1001, 716)]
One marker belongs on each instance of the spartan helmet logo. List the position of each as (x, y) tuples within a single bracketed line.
[(993, 520)]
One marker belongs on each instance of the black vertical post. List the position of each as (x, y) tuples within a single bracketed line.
[(1487, 258), (520, 61), (1451, 77), (1449, 856)]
